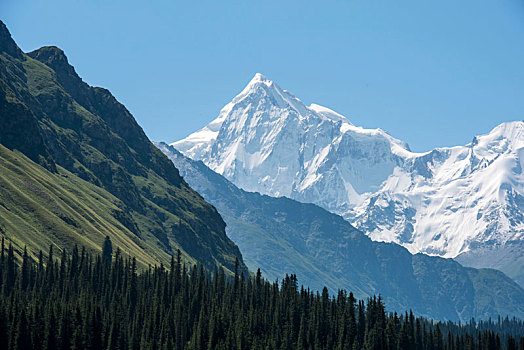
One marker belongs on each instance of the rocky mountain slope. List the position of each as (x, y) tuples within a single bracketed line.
[(97, 174), (462, 202), (280, 235)]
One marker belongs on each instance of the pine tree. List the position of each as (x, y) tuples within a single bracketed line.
[(81, 302), (22, 340), (107, 250)]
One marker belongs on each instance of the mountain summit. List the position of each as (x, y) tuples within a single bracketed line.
[(267, 140), (464, 202)]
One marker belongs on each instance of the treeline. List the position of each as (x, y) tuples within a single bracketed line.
[(81, 301)]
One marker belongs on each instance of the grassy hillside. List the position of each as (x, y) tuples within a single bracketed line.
[(66, 208), (66, 126)]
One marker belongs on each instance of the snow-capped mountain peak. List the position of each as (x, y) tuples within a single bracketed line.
[(448, 201), (510, 134), (261, 87), (455, 201), (269, 141)]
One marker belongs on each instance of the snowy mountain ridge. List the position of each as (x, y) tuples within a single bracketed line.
[(267, 140), (449, 199), (447, 202)]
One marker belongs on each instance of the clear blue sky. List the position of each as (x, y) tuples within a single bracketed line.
[(432, 73)]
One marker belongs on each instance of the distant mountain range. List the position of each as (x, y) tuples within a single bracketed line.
[(462, 202), (75, 167), (281, 235)]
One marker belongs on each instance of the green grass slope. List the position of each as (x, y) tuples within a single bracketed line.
[(39, 208)]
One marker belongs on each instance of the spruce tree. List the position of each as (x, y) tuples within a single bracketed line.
[(85, 303), (107, 250)]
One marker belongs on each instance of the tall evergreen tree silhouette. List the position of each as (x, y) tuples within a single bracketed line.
[(82, 301), (107, 250)]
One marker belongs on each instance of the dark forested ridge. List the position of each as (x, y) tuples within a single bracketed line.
[(82, 301), (97, 173)]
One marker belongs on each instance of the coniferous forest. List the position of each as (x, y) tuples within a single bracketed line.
[(81, 301)]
